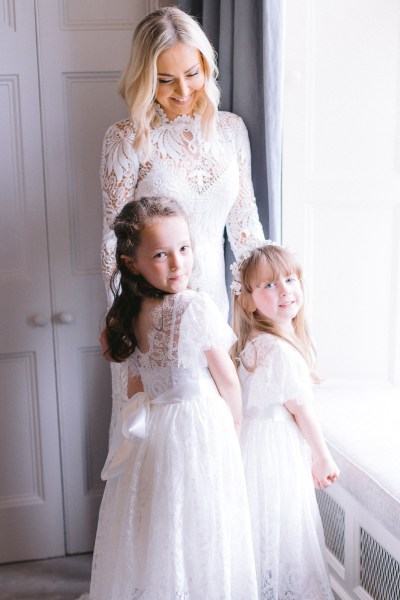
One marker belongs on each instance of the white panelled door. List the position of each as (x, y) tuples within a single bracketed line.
[(30, 474), (82, 48), (59, 65)]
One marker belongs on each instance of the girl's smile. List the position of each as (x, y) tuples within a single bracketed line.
[(164, 256), (279, 300)]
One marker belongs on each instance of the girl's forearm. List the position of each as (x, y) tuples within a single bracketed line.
[(309, 426), (324, 469), (232, 396), (225, 378)]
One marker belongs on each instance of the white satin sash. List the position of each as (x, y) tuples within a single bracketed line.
[(273, 412), (132, 420)]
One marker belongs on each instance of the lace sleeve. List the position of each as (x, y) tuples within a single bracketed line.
[(243, 221), (281, 374), (118, 173), (202, 328), (133, 367)]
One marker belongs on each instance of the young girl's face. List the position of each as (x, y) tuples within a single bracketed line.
[(279, 299), (164, 257)]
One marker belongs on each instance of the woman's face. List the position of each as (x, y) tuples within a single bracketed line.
[(180, 75)]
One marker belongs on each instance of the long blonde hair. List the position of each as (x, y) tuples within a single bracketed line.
[(158, 31), (268, 263)]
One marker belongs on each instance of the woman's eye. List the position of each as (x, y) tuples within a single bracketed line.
[(168, 81)]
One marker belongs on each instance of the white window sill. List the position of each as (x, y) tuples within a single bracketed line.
[(361, 423)]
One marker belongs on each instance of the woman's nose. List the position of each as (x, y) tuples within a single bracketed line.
[(182, 88)]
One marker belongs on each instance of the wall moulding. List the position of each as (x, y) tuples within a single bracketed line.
[(96, 15), (7, 15)]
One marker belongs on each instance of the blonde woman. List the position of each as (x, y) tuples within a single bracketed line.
[(176, 143)]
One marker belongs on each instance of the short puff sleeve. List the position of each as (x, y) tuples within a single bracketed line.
[(281, 374), (202, 328)]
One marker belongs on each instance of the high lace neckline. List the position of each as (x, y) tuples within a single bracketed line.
[(179, 119)]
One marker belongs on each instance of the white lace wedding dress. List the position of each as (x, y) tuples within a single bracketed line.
[(174, 521), (287, 530), (211, 181)]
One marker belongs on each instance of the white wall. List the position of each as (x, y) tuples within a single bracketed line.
[(341, 179)]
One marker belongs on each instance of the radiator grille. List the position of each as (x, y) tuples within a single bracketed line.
[(379, 571), (332, 516)]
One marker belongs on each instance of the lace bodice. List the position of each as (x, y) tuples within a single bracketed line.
[(280, 374), (184, 325), (211, 180)]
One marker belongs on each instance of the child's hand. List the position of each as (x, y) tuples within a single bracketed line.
[(325, 472)]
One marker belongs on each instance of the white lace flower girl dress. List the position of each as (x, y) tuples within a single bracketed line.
[(174, 522), (287, 530)]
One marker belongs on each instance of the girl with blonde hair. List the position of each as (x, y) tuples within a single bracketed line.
[(283, 449)]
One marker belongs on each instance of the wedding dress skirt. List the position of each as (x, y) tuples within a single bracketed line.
[(174, 522)]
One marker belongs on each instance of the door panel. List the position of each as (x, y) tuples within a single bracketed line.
[(82, 48), (60, 62), (30, 481)]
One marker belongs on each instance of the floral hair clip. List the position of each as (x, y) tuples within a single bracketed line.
[(253, 244)]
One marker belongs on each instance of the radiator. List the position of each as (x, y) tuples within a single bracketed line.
[(363, 556)]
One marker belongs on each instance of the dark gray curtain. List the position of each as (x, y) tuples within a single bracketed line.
[(248, 36)]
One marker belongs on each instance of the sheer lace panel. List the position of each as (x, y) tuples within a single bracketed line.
[(157, 362)]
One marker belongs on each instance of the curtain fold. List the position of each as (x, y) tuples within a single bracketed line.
[(248, 37)]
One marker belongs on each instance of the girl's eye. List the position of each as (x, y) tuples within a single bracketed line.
[(185, 248), (291, 279), (159, 255), (271, 284)]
